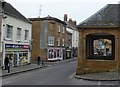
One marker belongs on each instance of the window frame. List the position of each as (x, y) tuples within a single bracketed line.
[(63, 29), (19, 33), (59, 27), (9, 33), (26, 35), (58, 41), (50, 41), (90, 48)]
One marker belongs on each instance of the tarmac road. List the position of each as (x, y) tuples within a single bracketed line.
[(59, 74)]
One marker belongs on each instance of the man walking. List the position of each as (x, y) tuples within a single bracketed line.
[(38, 60)]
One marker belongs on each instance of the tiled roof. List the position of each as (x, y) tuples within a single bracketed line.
[(11, 11), (107, 16)]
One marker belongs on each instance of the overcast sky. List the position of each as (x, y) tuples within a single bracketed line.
[(78, 10)]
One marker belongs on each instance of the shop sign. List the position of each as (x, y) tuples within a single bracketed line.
[(14, 46)]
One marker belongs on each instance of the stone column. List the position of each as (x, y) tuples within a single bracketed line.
[(118, 61), (80, 54)]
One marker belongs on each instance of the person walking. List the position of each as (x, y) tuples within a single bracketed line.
[(38, 60), (6, 61)]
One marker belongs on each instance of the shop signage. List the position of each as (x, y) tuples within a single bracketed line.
[(15, 46)]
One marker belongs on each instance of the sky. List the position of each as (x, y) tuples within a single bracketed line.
[(78, 10)]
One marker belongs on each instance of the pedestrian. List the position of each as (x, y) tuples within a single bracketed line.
[(38, 60), (6, 61)]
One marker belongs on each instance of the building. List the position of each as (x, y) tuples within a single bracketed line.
[(71, 27), (15, 36), (49, 37), (68, 45), (0, 32), (99, 39)]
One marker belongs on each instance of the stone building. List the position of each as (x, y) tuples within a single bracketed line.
[(99, 39), (49, 37)]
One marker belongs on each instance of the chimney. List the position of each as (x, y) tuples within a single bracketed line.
[(2, 0), (74, 22), (65, 17), (70, 20)]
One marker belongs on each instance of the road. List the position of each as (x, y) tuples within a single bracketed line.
[(59, 74)]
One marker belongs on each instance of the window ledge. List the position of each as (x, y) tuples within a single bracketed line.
[(26, 41), (8, 39)]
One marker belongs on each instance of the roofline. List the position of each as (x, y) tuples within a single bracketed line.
[(27, 20), (7, 13), (47, 18), (93, 15), (99, 27)]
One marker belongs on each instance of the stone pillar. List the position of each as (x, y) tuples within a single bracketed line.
[(118, 61), (80, 54)]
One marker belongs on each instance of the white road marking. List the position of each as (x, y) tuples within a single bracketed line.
[(99, 83), (72, 76)]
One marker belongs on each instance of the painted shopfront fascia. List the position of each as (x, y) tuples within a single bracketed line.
[(19, 53)]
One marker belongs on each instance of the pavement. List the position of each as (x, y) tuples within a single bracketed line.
[(30, 67), (104, 76)]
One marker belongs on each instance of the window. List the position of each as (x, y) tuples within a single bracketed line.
[(51, 53), (58, 41), (63, 42), (18, 33), (100, 46), (58, 27), (50, 41), (9, 31), (26, 34), (63, 29)]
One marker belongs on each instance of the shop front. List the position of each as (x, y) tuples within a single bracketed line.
[(55, 54), (18, 54)]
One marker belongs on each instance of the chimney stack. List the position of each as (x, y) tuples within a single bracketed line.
[(70, 20), (74, 22), (65, 17)]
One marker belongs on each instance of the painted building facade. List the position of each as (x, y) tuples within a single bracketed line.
[(69, 45), (72, 28), (15, 36)]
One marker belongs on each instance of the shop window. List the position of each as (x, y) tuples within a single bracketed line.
[(100, 46), (50, 53)]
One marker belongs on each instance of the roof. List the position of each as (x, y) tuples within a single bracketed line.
[(11, 11), (47, 18), (72, 27), (107, 16), (68, 32)]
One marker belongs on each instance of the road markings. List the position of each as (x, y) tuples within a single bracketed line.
[(99, 83), (71, 76)]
